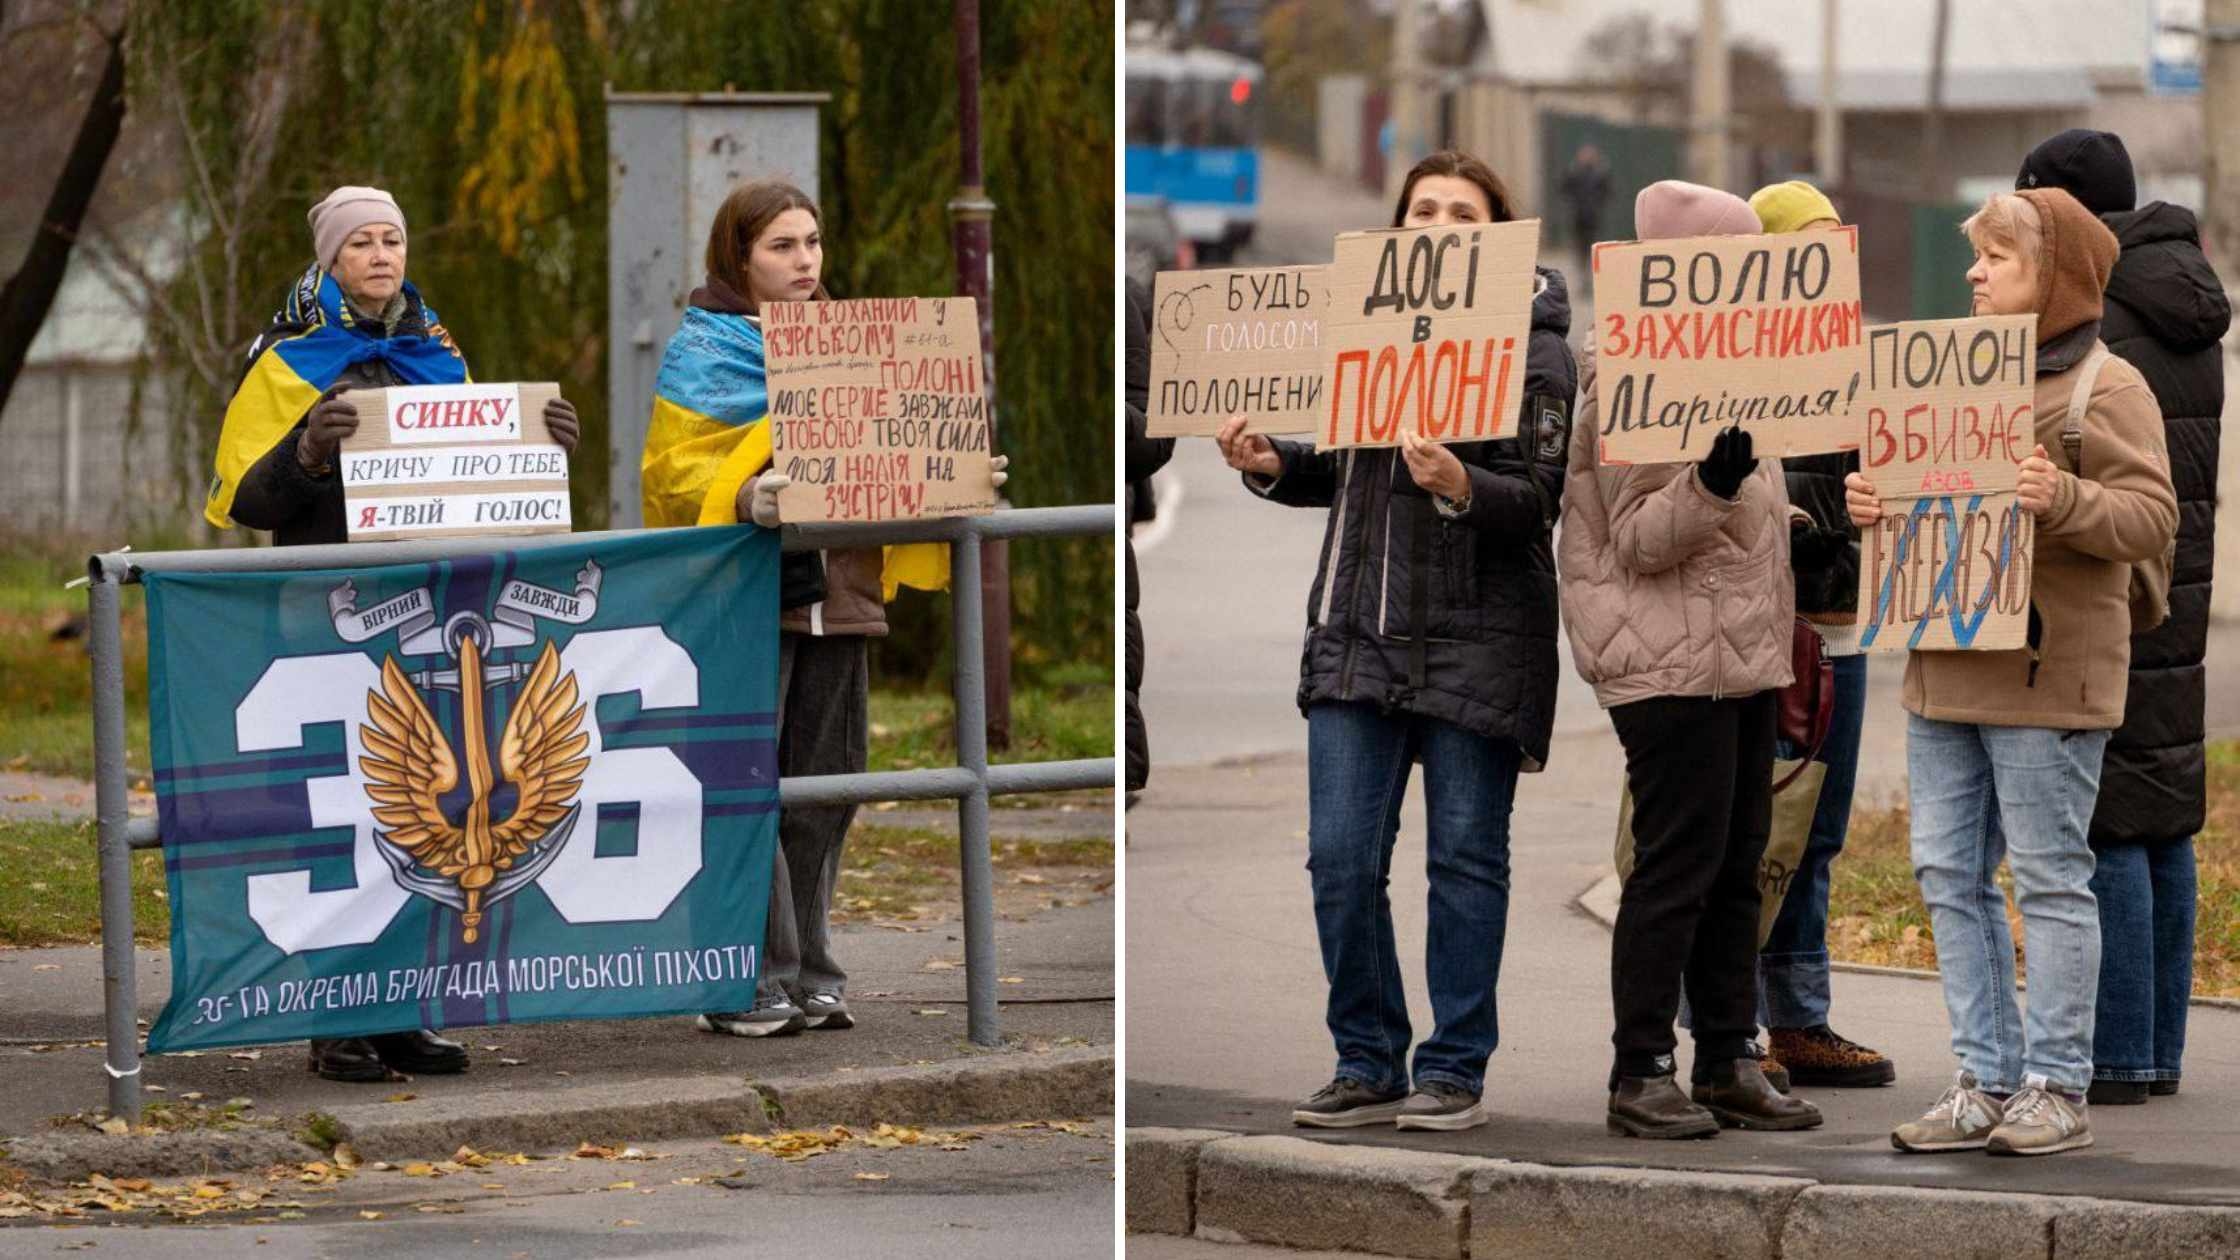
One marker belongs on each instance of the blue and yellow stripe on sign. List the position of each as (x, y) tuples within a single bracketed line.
[(708, 435), (290, 373)]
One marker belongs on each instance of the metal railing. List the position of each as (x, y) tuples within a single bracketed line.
[(970, 782)]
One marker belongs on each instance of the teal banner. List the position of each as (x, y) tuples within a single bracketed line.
[(515, 786)]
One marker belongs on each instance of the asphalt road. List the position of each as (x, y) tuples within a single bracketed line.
[(1014, 1192)]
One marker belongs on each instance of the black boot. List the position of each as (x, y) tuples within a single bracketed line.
[(420, 1052), (1737, 1092), (1654, 1107), (349, 1059), (2117, 1093)]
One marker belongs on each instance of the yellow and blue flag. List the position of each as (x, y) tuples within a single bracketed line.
[(708, 436), (310, 343)]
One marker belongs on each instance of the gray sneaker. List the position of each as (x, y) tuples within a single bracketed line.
[(825, 1009), (774, 1015), (1346, 1103), (1438, 1105), (1961, 1119), (2040, 1121)]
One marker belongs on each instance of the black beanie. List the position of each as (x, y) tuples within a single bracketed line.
[(2091, 166)]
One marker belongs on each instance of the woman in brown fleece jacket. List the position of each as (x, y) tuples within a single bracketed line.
[(2003, 749)]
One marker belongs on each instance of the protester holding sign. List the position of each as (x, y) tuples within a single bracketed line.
[(1431, 636), (2166, 313), (351, 321), (707, 449), (2003, 748), (1678, 602), (1824, 554)]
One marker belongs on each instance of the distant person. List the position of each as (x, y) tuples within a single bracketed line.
[(1431, 637), (1793, 992), (1145, 456), (351, 321), (2165, 314), (1645, 551), (1585, 188), (2003, 749)]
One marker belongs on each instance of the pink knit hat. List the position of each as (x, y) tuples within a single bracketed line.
[(344, 211), (1673, 208)]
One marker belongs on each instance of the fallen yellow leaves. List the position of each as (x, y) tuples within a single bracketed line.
[(803, 1144), (197, 1197)]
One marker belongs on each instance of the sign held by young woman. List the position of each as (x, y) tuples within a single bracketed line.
[(1427, 330), (877, 409), (1246, 341), (453, 461), (1697, 335), (1947, 420)]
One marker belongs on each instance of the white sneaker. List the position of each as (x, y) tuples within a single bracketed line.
[(1961, 1119), (2040, 1121), (827, 1010), (772, 1016)]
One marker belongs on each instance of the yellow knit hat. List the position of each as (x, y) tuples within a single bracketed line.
[(1789, 206)]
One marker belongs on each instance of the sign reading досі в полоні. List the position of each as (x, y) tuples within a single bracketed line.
[(453, 461), (877, 409), (1426, 329), (1246, 341), (1947, 420), (1696, 335)]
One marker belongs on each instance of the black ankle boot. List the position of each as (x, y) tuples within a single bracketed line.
[(1654, 1107), (1736, 1091), (2117, 1093), (349, 1059), (420, 1052)]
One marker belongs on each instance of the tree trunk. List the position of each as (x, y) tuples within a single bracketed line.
[(30, 291)]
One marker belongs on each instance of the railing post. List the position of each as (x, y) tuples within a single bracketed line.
[(975, 864), (119, 997)]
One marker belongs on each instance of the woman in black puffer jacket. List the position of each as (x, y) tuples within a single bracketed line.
[(1431, 636), (2165, 314)]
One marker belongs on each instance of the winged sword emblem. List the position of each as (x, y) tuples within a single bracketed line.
[(474, 860)]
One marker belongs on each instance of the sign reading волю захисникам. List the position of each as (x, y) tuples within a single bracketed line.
[(1697, 335)]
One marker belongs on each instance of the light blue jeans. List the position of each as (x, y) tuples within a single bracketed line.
[(1980, 793)]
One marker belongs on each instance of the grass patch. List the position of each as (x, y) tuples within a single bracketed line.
[(1878, 917), (910, 873), (51, 895), (1067, 716)]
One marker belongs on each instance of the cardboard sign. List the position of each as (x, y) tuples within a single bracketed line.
[(877, 409), (1242, 342), (1947, 404), (1697, 335), (453, 461), (1947, 572), (1427, 329)]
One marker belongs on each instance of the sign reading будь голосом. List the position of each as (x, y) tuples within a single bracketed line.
[(1243, 342), (453, 461)]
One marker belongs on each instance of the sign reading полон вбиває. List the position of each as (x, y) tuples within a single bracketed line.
[(877, 409), (1946, 421), (1426, 331), (1240, 342), (1696, 335), (453, 461)]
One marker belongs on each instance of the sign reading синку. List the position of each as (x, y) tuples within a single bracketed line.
[(453, 461)]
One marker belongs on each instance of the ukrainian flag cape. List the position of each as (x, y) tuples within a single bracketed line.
[(708, 435), (309, 344)]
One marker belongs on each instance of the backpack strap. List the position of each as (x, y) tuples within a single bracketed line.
[(2080, 401)]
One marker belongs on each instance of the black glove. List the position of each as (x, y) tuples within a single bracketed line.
[(1813, 549), (331, 419), (1733, 459), (560, 421)]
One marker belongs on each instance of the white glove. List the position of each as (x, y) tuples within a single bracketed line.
[(997, 466), (762, 503)]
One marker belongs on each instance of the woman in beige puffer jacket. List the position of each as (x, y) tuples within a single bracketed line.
[(1678, 601)]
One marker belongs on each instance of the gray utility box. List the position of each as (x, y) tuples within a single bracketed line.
[(671, 160)]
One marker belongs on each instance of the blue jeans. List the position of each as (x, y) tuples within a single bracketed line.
[(1980, 793), (1793, 962), (2146, 960), (1357, 772)]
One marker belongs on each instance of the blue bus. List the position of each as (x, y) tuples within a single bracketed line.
[(1192, 141)]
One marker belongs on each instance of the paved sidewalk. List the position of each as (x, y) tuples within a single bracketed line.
[(1225, 1006)]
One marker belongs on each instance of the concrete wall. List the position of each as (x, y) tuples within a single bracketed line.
[(74, 459)]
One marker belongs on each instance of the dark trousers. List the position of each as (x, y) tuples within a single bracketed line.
[(1701, 773), (824, 693), (2146, 896)]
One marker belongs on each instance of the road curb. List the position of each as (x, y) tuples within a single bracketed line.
[(1294, 1192), (1006, 1085)]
